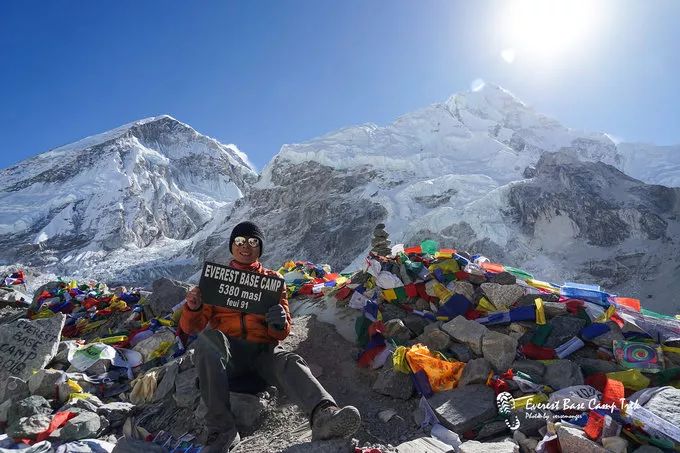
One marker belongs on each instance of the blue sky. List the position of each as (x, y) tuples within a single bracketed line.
[(260, 74)]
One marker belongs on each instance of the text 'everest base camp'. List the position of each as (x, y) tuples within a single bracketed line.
[(490, 280)]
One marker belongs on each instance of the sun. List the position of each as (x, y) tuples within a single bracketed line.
[(546, 27)]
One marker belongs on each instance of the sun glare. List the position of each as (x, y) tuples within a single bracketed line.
[(546, 27)]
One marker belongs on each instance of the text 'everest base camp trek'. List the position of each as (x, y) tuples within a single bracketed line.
[(430, 345)]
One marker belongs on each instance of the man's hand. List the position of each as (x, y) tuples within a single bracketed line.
[(276, 317), (193, 298)]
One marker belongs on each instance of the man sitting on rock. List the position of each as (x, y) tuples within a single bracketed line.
[(239, 344)]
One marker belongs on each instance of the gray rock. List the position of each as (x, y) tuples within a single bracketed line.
[(167, 384), (166, 294), (323, 446), (554, 309), (502, 296), (390, 311), (564, 328), (433, 326), (504, 278), (530, 422), (460, 352), (573, 440), (12, 387), (463, 408), (592, 366), (82, 404), (424, 444), (397, 330), (33, 405), (666, 404), (464, 288), (533, 368), (393, 383), (491, 429), (116, 412), (476, 371), (435, 340), (563, 373), (416, 323), (472, 446), (46, 382), (83, 426), (466, 332), (246, 409), (500, 350), (186, 388), (29, 427), (26, 346)]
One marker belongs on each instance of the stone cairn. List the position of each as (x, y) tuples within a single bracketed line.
[(380, 243)]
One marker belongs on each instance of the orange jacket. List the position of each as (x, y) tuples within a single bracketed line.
[(235, 323)]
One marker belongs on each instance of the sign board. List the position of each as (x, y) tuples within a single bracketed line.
[(245, 291)]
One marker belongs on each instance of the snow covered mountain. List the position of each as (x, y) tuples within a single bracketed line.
[(117, 200), (475, 172), (457, 172)]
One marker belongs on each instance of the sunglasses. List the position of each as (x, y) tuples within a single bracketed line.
[(240, 240)]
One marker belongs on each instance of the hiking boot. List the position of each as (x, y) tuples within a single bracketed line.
[(221, 442), (332, 422)]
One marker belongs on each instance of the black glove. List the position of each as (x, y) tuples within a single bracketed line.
[(276, 317)]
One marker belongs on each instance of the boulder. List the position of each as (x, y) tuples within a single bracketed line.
[(46, 382), (592, 366), (116, 412), (424, 444), (460, 352), (166, 294), (12, 387), (393, 383), (472, 446), (499, 349), (343, 445), (467, 332), (574, 440), (416, 323), (504, 278), (27, 407), (502, 296), (397, 330), (533, 368), (463, 408), (435, 340), (29, 427), (563, 373), (476, 371), (26, 346), (464, 288), (564, 328), (83, 426)]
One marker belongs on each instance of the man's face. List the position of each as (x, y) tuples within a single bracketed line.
[(245, 249)]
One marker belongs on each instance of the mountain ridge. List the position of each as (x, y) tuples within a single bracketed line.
[(453, 170)]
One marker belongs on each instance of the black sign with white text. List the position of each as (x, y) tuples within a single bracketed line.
[(245, 291)]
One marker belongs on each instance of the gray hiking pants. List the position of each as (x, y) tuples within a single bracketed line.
[(218, 358)]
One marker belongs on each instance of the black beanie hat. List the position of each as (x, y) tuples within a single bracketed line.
[(247, 229)]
